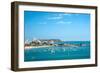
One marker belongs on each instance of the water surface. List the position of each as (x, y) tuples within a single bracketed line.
[(58, 52)]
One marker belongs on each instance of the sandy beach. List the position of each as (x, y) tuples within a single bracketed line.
[(30, 47)]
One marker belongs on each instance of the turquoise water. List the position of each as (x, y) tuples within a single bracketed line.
[(58, 52)]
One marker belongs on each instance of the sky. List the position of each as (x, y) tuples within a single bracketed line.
[(56, 25)]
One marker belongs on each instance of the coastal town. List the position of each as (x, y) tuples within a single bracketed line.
[(36, 43)]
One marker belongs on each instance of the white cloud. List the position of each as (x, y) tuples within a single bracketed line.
[(69, 22), (64, 22), (61, 22), (57, 17), (68, 14), (65, 14)]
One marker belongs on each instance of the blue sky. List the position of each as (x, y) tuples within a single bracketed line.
[(56, 25)]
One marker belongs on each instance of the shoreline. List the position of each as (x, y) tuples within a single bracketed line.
[(30, 47)]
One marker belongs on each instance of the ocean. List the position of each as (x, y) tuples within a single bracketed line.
[(59, 52)]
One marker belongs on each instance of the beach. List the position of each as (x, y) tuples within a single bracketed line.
[(29, 47)]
